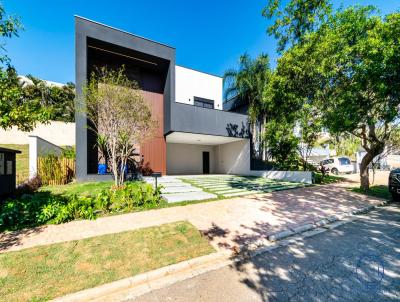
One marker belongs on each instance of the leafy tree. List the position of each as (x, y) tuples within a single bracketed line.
[(15, 108), (346, 144), (115, 107), (9, 26), (348, 68), (247, 84), (295, 20), (309, 132), (282, 143), (58, 100)]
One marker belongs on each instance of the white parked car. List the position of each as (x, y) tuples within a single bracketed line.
[(339, 164)]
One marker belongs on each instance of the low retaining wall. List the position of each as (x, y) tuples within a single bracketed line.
[(39, 147), (295, 176), (58, 133)]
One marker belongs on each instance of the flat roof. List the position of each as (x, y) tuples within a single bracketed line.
[(9, 150), (141, 37), (123, 31)]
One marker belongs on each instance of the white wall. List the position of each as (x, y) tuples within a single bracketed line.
[(295, 176), (190, 83), (233, 158), (188, 159), (39, 147), (58, 133)]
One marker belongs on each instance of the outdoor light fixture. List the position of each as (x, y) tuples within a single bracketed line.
[(120, 54)]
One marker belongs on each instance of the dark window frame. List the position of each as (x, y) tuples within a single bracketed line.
[(204, 103)]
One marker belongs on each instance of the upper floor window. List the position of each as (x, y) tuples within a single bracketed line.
[(205, 103)]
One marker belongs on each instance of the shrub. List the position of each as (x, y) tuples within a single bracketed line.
[(29, 186), (44, 207)]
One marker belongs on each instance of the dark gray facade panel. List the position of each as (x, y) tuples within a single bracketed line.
[(85, 29), (80, 117), (192, 119)]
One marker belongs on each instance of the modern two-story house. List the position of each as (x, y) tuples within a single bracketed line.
[(195, 134)]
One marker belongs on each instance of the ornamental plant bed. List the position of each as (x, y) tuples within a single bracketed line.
[(80, 201)]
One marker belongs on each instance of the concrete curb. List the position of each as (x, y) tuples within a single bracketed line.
[(327, 222), (152, 279)]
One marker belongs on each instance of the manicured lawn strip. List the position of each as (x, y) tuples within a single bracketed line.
[(46, 272), (327, 179), (81, 188), (375, 191)]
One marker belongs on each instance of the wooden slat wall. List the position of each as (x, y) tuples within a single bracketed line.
[(154, 149)]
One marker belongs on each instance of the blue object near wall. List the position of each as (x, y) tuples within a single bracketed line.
[(102, 169)]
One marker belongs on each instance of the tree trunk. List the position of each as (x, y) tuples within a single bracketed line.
[(364, 175), (367, 159)]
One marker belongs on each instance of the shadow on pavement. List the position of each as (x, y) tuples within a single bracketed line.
[(359, 261)]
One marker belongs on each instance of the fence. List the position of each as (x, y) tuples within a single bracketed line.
[(22, 177), (54, 170)]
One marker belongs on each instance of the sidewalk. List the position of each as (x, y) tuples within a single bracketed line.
[(227, 223)]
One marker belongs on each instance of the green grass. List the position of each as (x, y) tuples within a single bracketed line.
[(79, 188), (22, 159), (327, 179), (235, 186), (46, 272), (375, 191)]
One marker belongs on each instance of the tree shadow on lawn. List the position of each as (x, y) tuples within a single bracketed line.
[(356, 262)]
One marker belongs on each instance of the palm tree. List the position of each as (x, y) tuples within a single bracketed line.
[(247, 84)]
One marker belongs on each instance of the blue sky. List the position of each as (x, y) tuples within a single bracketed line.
[(208, 35)]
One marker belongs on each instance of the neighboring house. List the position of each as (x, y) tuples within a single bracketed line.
[(195, 135), (25, 81)]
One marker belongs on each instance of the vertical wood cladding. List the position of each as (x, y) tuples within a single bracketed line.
[(154, 149)]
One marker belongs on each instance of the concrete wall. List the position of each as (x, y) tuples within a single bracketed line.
[(39, 147), (233, 158), (188, 159), (190, 83), (295, 176), (58, 133)]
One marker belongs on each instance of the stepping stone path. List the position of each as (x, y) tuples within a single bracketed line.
[(230, 186), (175, 190)]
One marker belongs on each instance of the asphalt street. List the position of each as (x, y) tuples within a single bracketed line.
[(358, 261)]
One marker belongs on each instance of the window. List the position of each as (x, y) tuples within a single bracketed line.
[(205, 103), (1, 163), (344, 161), (9, 167)]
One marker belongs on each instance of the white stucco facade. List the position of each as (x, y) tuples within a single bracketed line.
[(190, 83), (188, 159), (230, 158)]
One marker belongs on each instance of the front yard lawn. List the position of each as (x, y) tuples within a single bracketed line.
[(327, 179), (79, 188), (45, 272), (375, 191)]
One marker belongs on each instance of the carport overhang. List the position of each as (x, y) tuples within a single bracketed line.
[(200, 139)]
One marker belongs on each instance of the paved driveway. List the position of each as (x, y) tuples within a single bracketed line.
[(359, 261), (227, 223)]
